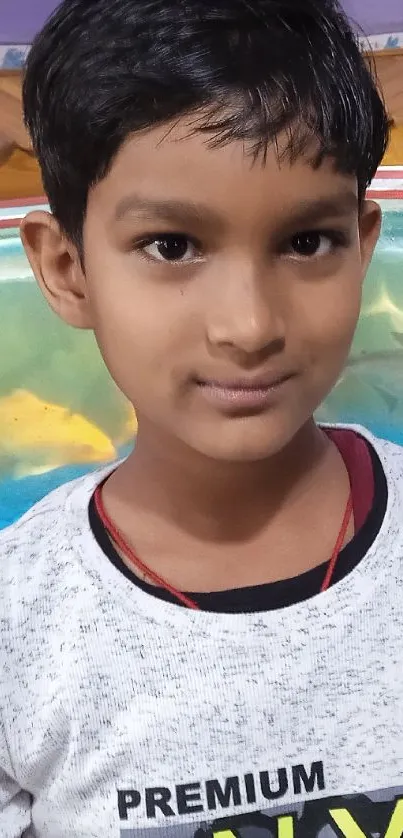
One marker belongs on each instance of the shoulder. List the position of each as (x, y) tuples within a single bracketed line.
[(43, 584), (37, 544), (390, 454)]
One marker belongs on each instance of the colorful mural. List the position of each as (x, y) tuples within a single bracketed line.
[(21, 19), (61, 414), (13, 56)]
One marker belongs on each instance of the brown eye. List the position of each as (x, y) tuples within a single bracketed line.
[(309, 244), (317, 244), (170, 248)]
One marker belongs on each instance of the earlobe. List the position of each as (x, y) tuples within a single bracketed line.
[(57, 268), (370, 228)]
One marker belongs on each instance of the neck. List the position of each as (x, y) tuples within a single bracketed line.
[(214, 500)]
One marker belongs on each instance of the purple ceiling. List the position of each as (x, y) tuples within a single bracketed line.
[(20, 19)]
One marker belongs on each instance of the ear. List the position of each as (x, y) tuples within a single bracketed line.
[(57, 267), (370, 227)]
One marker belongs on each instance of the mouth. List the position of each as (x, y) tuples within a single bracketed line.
[(240, 395)]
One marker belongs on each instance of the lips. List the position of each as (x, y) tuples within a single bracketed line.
[(252, 384), (245, 395)]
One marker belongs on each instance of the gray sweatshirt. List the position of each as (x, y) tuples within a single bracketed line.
[(124, 716)]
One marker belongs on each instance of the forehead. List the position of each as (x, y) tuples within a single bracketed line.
[(170, 163)]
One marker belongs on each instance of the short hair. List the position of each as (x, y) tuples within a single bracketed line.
[(249, 70)]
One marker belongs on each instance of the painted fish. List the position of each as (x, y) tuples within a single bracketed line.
[(36, 436)]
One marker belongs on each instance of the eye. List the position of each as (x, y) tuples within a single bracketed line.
[(170, 247), (313, 244)]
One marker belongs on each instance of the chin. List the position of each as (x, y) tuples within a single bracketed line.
[(245, 442)]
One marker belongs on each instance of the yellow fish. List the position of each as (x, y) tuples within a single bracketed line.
[(36, 436), (129, 430)]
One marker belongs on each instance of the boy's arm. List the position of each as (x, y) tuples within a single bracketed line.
[(15, 807), (15, 804), (15, 811)]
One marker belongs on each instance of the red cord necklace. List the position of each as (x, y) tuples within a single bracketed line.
[(157, 580)]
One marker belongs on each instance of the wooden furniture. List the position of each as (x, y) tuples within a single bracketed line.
[(389, 70), (19, 172)]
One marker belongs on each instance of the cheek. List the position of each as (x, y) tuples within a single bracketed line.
[(142, 331), (331, 317)]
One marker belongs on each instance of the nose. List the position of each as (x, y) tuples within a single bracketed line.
[(246, 313)]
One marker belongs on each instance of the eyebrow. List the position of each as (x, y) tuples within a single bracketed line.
[(166, 210), (305, 212), (335, 206)]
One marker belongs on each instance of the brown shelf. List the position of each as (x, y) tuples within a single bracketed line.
[(19, 172)]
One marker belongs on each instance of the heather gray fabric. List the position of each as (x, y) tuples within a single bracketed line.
[(124, 716)]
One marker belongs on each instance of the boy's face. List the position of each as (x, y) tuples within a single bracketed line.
[(223, 293)]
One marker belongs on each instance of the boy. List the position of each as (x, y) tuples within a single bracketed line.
[(206, 640)]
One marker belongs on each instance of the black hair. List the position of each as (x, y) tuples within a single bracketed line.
[(246, 69)]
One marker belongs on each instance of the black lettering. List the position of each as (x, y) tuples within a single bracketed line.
[(267, 791), (127, 799), (215, 793), (250, 788), (316, 777), (185, 796), (158, 799)]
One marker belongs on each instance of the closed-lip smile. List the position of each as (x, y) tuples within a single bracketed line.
[(245, 393), (261, 382)]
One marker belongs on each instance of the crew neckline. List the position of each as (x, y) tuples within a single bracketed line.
[(285, 592), (342, 598)]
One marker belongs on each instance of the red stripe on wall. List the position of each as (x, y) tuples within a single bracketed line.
[(385, 174), (379, 194), (23, 202), (9, 223)]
